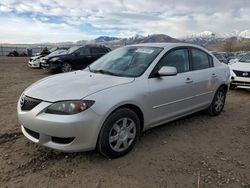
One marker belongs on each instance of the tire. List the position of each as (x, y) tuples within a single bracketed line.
[(66, 67), (119, 133), (232, 87), (218, 102)]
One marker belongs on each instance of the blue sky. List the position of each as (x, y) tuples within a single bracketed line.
[(28, 21)]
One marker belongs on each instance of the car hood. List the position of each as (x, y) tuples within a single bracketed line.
[(240, 66), (58, 55), (73, 86), (35, 57)]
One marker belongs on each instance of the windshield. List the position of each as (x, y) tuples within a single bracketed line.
[(245, 58), (52, 49), (72, 49), (127, 61), (58, 52)]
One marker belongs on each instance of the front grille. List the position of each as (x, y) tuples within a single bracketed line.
[(32, 133), (60, 140), (242, 73), (28, 103)]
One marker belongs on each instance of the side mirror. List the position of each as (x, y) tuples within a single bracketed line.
[(167, 71)]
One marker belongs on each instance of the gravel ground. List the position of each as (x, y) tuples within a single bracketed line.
[(198, 149)]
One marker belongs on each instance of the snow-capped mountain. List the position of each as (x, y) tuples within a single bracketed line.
[(209, 37), (106, 39), (203, 37), (245, 34), (135, 39), (203, 34)]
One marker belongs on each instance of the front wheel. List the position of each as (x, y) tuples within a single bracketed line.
[(119, 133), (66, 67), (218, 102)]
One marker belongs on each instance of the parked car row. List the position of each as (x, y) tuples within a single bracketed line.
[(67, 59), (227, 57), (220, 56), (110, 103)]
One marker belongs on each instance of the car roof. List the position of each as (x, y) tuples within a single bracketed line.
[(164, 45), (89, 45)]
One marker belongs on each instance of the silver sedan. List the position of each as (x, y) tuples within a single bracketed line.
[(129, 90)]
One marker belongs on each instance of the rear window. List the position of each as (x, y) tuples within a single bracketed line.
[(200, 59), (98, 50)]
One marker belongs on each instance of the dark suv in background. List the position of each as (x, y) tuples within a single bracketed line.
[(77, 57)]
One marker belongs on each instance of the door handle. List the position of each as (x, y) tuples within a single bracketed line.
[(89, 56), (188, 81), (214, 75)]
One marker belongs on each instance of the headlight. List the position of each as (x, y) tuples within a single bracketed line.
[(37, 59), (54, 59), (69, 107), (232, 73)]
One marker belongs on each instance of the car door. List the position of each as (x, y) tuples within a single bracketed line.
[(81, 58), (96, 53), (85, 57), (204, 75), (171, 96)]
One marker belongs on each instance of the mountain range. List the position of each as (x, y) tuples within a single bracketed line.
[(201, 38)]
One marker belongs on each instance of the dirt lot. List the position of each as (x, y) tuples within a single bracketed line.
[(214, 151)]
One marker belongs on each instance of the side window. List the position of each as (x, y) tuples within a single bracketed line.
[(102, 51), (84, 51), (96, 51), (177, 58), (201, 60)]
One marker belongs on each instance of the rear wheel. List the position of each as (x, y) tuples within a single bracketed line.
[(66, 67), (218, 102), (119, 133)]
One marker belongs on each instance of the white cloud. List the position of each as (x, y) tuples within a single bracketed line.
[(35, 31), (173, 17), (5, 9)]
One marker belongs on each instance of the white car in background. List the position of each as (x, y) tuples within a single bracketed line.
[(240, 72), (35, 61)]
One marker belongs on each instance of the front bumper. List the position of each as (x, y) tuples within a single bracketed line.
[(68, 133), (50, 66), (243, 82), (34, 64), (240, 78)]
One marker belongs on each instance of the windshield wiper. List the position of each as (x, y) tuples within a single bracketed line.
[(103, 72), (89, 68)]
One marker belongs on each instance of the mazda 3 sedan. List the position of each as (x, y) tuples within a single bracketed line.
[(127, 91)]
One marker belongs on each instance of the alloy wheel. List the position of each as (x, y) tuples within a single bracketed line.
[(122, 134), (66, 67), (220, 99)]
